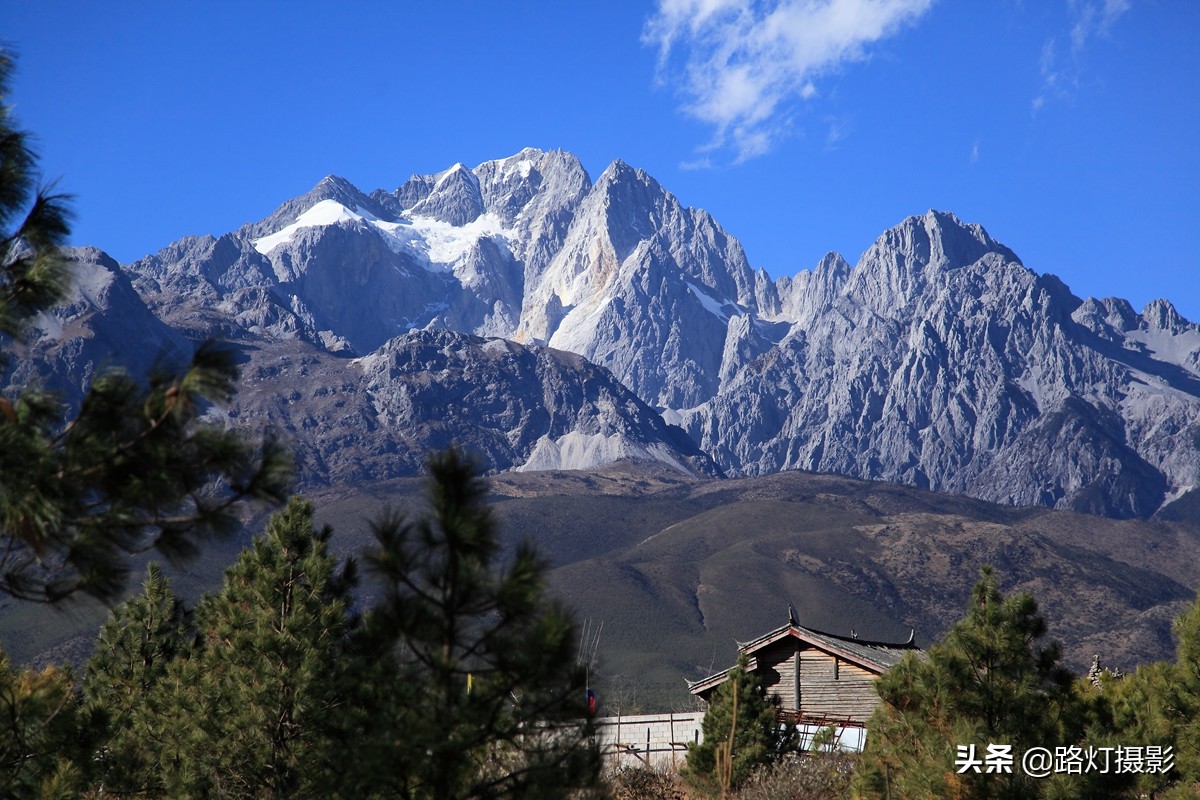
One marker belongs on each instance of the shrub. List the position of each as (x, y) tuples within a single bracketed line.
[(644, 783), (807, 776)]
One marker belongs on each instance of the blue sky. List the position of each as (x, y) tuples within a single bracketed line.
[(1070, 129)]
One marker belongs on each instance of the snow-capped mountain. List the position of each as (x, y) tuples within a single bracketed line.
[(355, 420), (938, 360)]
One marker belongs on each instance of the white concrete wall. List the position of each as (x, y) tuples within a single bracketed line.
[(654, 740), (660, 740)]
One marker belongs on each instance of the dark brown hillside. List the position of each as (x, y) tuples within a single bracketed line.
[(877, 558), (678, 569)]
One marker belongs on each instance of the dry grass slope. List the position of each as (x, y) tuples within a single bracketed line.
[(678, 569)]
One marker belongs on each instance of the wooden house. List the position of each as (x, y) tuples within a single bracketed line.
[(820, 678)]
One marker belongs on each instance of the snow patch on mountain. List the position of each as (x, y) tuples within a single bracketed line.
[(440, 243), (711, 305), (436, 244), (578, 328), (326, 212), (577, 450), (1175, 495)]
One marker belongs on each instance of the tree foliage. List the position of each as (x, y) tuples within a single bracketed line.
[(35, 276), (499, 703), (45, 738), (990, 681), (262, 705), (741, 714), (1182, 706), (460, 683), (1159, 705), (134, 469), (123, 680)]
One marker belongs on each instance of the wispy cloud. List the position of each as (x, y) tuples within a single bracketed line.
[(703, 162), (839, 128), (1094, 19), (1052, 76), (741, 66), (1089, 19)]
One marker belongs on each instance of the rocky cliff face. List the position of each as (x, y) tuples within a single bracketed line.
[(349, 420), (942, 362), (103, 324), (939, 360), (646, 288), (353, 421)]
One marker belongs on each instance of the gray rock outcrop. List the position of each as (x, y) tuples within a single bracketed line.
[(938, 360)]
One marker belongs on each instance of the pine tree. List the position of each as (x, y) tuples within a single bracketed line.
[(987, 682), (33, 274), (1159, 705), (134, 469), (740, 706), (45, 739), (496, 703), (123, 683), (1184, 700), (263, 707)]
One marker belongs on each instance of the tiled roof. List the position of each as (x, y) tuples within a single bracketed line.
[(874, 656)]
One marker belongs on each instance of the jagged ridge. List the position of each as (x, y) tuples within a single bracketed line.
[(939, 360)]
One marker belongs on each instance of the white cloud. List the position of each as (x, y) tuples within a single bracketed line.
[(1094, 18), (839, 128), (740, 65), (1089, 19), (975, 152), (1052, 78), (704, 162)]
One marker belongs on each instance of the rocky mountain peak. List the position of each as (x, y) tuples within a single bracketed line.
[(938, 360), (334, 186), (632, 206), (902, 262), (331, 187), (103, 323), (411, 192), (939, 239), (1161, 315), (1110, 318), (533, 187), (455, 197), (812, 291)]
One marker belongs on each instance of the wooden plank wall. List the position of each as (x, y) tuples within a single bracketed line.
[(780, 663), (842, 690), (845, 692)]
